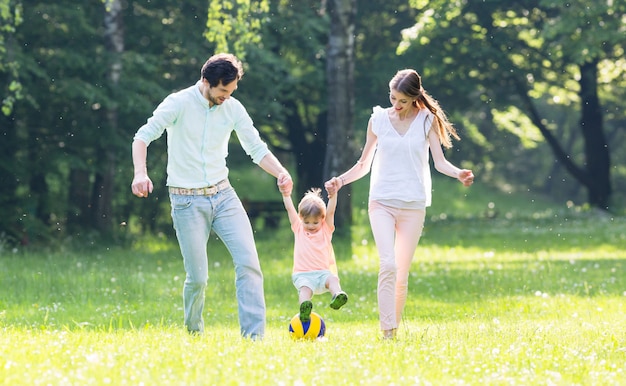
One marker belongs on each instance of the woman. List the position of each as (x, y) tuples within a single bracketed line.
[(397, 152)]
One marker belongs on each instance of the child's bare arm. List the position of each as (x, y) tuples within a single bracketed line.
[(330, 210), (285, 191), (291, 209)]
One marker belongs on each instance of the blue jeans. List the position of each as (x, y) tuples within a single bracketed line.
[(193, 218)]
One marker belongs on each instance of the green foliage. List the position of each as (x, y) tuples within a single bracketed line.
[(235, 22), (59, 64), (584, 30), (481, 58), (11, 18), (284, 86), (514, 121), (61, 128), (379, 27)]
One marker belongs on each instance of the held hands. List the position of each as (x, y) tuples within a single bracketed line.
[(466, 177), (142, 185), (285, 184), (333, 185)]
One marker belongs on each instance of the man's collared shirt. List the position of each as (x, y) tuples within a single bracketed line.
[(198, 135)]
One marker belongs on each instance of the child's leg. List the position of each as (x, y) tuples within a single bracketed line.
[(305, 294), (332, 283), (339, 297)]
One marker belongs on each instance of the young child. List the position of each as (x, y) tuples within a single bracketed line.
[(314, 265)]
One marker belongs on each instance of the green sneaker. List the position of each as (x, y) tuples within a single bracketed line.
[(338, 300), (305, 311)]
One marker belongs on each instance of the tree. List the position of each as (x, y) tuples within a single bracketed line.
[(284, 59), (296, 61), (340, 83), (515, 54), (289, 107), (107, 155), (585, 34), (83, 99), (234, 25), (55, 121), (10, 18)]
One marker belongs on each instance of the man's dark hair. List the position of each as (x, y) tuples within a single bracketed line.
[(223, 68)]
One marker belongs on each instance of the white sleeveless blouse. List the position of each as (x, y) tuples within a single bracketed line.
[(400, 175)]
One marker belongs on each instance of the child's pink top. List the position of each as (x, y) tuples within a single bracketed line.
[(312, 251)]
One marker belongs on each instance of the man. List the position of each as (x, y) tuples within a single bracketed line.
[(199, 121)]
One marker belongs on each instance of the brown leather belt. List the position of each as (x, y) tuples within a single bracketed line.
[(206, 191)]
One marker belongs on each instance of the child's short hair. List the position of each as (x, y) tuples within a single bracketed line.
[(312, 204)]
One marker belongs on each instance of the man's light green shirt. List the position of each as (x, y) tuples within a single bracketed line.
[(198, 135)]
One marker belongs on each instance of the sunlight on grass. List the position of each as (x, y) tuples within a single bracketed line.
[(584, 351), (527, 294), (151, 244)]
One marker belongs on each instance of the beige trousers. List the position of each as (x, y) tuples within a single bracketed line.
[(396, 233)]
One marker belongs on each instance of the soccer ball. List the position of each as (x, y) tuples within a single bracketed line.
[(311, 330)]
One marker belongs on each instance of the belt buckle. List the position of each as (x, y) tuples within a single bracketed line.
[(210, 190)]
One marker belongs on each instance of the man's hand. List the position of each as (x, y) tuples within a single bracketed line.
[(285, 184), (142, 185)]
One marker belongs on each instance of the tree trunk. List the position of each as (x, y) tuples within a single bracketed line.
[(594, 175), (10, 216), (597, 155), (105, 178), (340, 79), (79, 205)]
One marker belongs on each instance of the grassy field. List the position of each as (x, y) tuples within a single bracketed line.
[(506, 289)]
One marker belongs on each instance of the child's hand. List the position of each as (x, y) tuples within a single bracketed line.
[(332, 186), (285, 184), (466, 177)]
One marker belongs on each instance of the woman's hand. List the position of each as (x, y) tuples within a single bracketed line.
[(466, 177), (333, 185)]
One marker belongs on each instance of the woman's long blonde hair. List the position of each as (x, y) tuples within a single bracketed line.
[(409, 82)]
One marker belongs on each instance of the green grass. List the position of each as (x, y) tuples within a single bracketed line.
[(505, 290)]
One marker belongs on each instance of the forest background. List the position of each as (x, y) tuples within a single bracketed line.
[(536, 89)]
